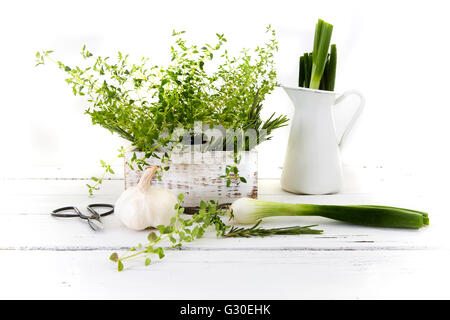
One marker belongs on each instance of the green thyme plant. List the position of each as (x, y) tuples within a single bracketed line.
[(182, 230), (145, 103)]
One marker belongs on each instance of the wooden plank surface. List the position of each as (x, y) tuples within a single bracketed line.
[(46, 257), (223, 274)]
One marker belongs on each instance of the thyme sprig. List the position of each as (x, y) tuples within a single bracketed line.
[(182, 230)]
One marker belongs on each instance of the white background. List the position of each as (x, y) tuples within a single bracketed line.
[(395, 52)]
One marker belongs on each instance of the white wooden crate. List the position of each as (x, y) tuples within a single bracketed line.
[(197, 175)]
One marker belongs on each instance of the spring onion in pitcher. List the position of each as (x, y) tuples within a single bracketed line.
[(317, 69), (246, 211), (322, 40)]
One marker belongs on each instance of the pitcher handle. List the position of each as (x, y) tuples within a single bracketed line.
[(355, 117)]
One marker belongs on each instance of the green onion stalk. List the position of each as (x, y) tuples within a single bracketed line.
[(247, 211), (317, 69), (322, 40)]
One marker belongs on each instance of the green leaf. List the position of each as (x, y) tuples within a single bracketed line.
[(114, 257), (160, 253), (120, 266), (148, 261), (152, 236)]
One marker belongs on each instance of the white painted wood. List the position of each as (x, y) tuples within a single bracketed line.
[(45, 232), (224, 274), (42, 204), (46, 257), (197, 175)]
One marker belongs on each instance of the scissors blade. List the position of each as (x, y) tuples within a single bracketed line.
[(95, 224)]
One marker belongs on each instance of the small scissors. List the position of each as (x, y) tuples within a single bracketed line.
[(93, 220)]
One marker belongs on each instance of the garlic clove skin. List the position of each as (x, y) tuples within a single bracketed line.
[(159, 207), (129, 207), (142, 206)]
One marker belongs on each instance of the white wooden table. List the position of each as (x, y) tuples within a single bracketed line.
[(46, 257)]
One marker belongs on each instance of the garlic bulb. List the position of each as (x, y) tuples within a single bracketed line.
[(142, 206)]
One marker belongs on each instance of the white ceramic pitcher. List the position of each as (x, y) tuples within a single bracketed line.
[(313, 162)]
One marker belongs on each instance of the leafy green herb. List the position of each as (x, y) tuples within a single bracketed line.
[(180, 230), (145, 104)]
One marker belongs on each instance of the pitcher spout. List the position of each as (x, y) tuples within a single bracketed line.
[(309, 97)]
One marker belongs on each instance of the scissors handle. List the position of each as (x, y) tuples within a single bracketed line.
[(100, 205), (56, 212), (94, 221)]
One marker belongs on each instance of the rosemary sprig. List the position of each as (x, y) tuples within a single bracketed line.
[(254, 231)]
